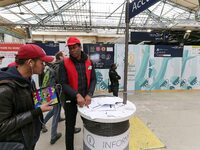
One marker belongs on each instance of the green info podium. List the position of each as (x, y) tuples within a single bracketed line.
[(106, 123)]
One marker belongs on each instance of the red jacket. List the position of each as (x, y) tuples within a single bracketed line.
[(73, 75)]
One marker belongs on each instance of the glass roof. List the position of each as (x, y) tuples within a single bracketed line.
[(95, 16)]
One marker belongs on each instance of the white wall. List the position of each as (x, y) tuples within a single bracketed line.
[(11, 39)]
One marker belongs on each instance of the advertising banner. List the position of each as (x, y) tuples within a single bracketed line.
[(156, 73), (8, 50), (102, 55)]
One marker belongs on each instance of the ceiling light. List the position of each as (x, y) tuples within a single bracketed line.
[(18, 27), (188, 31), (149, 30)]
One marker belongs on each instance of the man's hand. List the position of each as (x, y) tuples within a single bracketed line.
[(87, 100), (80, 100), (46, 107)]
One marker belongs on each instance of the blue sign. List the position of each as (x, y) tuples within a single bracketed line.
[(149, 36), (138, 6), (168, 51), (50, 48)]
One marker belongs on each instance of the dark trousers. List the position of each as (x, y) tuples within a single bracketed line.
[(70, 121), (115, 90)]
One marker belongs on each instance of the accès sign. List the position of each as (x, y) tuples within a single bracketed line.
[(137, 6)]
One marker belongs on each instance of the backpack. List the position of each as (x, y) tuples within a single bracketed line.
[(51, 75), (51, 78)]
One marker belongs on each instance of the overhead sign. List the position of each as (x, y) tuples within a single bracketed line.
[(50, 48), (168, 51), (149, 36), (138, 6)]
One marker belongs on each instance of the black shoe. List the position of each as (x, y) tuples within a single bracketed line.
[(77, 130), (44, 129), (61, 119), (56, 138)]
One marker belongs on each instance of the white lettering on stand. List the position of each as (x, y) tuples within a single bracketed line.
[(96, 142)]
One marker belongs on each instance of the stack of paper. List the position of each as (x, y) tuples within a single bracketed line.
[(107, 107)]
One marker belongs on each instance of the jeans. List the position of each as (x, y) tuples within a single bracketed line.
[(55, 112)]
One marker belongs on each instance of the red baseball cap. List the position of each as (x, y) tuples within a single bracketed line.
[(72, 41), (29, 51)]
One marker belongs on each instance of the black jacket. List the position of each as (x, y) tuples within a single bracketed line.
[(114, 77), (18, 118), (82, 81)]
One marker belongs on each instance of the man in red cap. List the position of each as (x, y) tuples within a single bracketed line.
[(78, 80), (19, 121)]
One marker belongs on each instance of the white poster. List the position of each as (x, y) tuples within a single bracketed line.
[(119, 60), (131, 68), (64, 48)]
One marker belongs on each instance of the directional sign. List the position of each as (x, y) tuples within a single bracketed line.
[(138, 6), (168, 51), (149, 36)]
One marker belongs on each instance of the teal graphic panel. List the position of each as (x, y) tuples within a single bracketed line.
[(190, 70), (146, 72), (156, 73)]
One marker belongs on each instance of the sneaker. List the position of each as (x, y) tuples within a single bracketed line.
[(44, 129), (77, 130), (53, 141)]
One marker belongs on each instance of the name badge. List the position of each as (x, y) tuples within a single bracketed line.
[(90, 68)]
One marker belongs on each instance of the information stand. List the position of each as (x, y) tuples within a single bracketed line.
[(106, 123)]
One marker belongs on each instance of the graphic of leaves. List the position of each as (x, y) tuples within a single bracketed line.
[(157, 84), (175, 80), (192, 80), (104, 85), (99, 77), (143, 68), (184, 60)]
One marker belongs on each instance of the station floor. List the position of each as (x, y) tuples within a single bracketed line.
[(174, 117)]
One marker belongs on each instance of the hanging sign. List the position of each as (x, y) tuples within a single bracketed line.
[(138, 6)]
